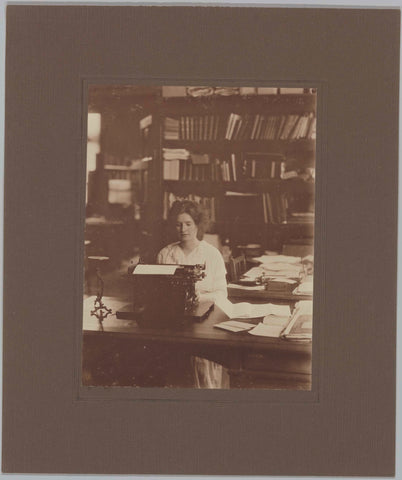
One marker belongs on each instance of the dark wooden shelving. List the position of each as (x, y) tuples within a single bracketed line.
[(264, 225)]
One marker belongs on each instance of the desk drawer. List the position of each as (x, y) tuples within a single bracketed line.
[(287, 362)]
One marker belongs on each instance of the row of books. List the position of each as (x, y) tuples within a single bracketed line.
[(187, 171), (209, 204), (180, 164), (222, 171), (263, 208), (245, 166), (240, 127), (267, 207), (272, 127)]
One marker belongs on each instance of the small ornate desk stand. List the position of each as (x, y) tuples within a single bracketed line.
[(100, 310)]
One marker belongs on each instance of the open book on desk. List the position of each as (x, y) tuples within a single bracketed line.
[(277, 322), (250, 310), (300, 326), (271, 326)]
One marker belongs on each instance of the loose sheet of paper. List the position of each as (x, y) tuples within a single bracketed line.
[(262, 330), (275, 320), (154, 269), (234, 326), (246, 287), (248, 310), (283, 280)]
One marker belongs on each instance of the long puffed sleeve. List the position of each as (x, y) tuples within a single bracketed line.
[(214, 285)]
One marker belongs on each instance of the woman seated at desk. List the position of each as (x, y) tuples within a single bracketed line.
[(189, 221)]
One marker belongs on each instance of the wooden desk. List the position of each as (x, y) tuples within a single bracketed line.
[(266, 295), (252, 362)]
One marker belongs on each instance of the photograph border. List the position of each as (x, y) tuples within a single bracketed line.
[(187, 394)]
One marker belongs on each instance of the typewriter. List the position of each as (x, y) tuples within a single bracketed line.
[(164, 296)]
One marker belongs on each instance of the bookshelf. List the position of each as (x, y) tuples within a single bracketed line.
[(249, 160)]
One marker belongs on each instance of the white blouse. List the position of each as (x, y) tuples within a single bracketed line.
[(214, 283)]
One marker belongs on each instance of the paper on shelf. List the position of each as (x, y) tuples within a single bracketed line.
[(240, 194), (154, 269)]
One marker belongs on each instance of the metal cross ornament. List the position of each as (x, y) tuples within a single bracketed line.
[(100, 311)]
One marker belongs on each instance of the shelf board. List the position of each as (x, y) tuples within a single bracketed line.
[(222, 145), (218, 223), (262, 224), (247, 186)]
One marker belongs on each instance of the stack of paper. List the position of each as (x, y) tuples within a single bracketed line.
[(171, 130), (282, 269), (305, 288), (119, 191), (282, 273), (269, 259), (279, 266), (175, 154)]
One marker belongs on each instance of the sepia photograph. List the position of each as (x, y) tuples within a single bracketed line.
[(200, 242), (199, 237)]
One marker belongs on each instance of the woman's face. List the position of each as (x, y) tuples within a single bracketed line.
[(186, 227)]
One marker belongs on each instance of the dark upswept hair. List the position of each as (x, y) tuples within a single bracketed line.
[(196, 212)]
